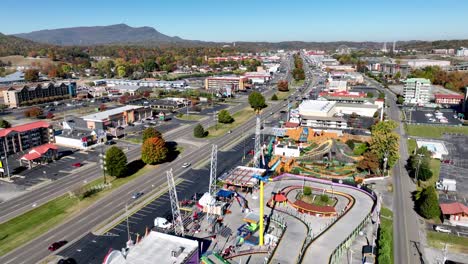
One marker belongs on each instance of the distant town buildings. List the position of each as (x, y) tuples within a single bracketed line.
[(416, 90), (443, 51), (142, 83), (15, 97), (462, 52)]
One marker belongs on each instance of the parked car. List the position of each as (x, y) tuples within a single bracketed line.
[(186, 165), (110, 142), (137, 195), (77, 164), (442, 229), (57, 245), (161, 222)]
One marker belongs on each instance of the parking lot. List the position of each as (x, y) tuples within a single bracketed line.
[(430, 116), (456, 166)]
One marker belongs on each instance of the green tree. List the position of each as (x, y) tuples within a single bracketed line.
[(257, 101), (31, 75), (122, 71), (116, 162), (370, 95), (4, 123), (324, 198), (385, 142), (307, 191), (397, 76), (419, 163), (224, 117), (400, 99), (154, 150), (428, 203), (274, 97), (199, 131), (151, 132)]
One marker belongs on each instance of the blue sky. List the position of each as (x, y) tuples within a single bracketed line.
[(251, 20)]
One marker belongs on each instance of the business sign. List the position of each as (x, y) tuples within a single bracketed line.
[(279, 132)]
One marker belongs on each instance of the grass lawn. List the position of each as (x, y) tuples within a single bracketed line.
[(240, 117), (411, 143), (433, 131), (190, 117), (386, 231), (34, 223), (315, 200), (454, 243), (135, 140), (297, 83)]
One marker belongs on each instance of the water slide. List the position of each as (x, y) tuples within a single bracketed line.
[(278, 161)]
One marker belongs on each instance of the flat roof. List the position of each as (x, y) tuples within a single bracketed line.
[(421, 80), (156, 247), (100, 116), (242, 176), (316, 105)]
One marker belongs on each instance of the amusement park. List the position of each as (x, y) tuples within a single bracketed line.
[(300, 198)]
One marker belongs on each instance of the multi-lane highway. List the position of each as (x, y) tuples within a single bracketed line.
[(105, 208)]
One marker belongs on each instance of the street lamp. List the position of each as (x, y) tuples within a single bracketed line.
[(103, 165), (419, 164)]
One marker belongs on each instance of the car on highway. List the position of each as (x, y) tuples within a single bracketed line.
[(186, 165), (442, 229), (57, 245), (137, 195), (77, 164)]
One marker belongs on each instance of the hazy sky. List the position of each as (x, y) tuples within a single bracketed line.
[(251, 20)]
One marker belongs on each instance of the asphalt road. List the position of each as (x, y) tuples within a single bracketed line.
[(92, 248), (82, 223), (37, 197), (405, 220)]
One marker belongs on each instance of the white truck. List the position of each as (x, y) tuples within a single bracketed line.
[(447, 185), (161, 222)]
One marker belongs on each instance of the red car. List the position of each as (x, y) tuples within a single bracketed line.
[(77, 165), (57, 245)]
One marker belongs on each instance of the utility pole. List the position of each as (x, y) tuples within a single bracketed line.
[(384, 169), (103, 163), (128, 226), (419, 164)]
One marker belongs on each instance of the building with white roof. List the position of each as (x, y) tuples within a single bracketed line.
[(158, 248), (422, 63), (416, 90), (143, 83), (130, 89), (117, 117)]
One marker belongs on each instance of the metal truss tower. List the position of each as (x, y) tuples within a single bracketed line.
[(176, 216), (258, 149), (214, 165)]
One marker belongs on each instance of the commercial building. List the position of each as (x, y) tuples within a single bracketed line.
[(159, 248), (16, 77), (346, 68), (329, 114), (118, 117), (258, 77), (345, 97), (130, 89), (456, 213), (391, 69), (336, 86), (422, 63), (462, 52), (23, 137), (41, 155), (14, 97), (234, 83), (448, 99), (443, 51), (142, 83), (416, 91)]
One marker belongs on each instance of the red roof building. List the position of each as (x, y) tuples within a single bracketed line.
[(451, 99), (23, 137), (46, 152), (456, 213)]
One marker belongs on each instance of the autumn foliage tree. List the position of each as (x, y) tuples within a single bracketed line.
[(50, 115), (31, 75), (283, 86), (154, 150), (102, 107), (151, 132), (369, 162), (33, 112)]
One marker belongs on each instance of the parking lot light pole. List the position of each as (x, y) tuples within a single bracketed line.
[(103, 164), (6, 160)]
